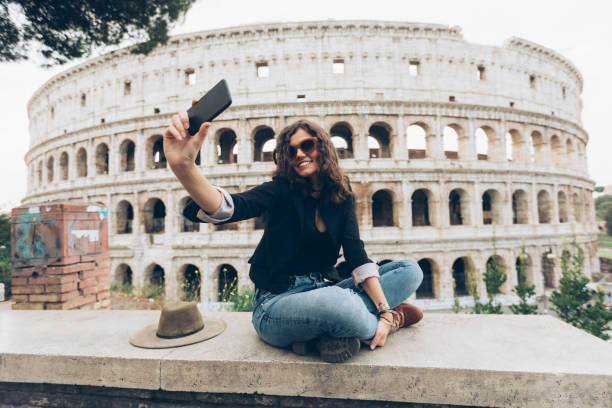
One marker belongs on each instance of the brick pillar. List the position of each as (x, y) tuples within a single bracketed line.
[(60, 257)]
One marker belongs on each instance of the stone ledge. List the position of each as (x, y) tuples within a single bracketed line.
[(469, 360)]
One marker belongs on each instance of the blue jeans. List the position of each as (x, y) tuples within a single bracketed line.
[(312, 307)]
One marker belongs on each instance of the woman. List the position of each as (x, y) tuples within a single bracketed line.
[(310, 214)]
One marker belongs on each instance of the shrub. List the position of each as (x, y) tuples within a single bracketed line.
[(609, 221)]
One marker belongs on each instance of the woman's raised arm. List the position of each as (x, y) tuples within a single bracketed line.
[(181, 150)]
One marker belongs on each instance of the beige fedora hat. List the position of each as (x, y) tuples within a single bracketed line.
[(180, 324)]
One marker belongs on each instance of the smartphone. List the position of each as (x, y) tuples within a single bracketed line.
[(209, 106)]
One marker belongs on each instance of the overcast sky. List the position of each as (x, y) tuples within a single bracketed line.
[(579, 30)]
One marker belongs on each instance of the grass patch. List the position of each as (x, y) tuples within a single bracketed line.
[(604, 253), (605, 240)]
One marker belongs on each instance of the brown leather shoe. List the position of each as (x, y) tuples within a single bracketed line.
[(407, 315)]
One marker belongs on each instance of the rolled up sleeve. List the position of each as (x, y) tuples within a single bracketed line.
[(363, 272), (223, 213)]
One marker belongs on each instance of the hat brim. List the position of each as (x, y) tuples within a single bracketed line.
[(147, 337)]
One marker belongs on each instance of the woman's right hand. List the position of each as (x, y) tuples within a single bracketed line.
[(180, 148)]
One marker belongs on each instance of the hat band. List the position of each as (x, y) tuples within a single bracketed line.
[(180, 335)]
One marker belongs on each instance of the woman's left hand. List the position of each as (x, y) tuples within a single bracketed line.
[(380, 338)]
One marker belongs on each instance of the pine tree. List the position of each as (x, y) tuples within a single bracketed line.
[(573, 293), (596, 317), (522, 289), (494, 277)]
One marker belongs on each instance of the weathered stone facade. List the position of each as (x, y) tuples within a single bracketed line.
[(440, 138)]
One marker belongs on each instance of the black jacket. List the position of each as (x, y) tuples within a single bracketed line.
[(282, 233)]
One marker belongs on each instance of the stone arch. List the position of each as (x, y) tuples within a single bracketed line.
[(459, 207), (570, 152), (516, 138), (226, 142), (227, 282), (577, 201), (101, 159), (381, 133), (492, 207), (50, 164), (125, 217), (126, 151), (373, 148), (562, 205), (261, 135), (124, 274), (450, 142), (416, 140), (190, 280), (544, 207), (81, 162), (501, 264), (431, 275), (342, 138), (556, 150), (482, 144), (154, 216), (155, 152), (383, 209), (63, 162), (186, 225), (39, 170), (548, 269), (536, 148), (460, 273), (423, 208), (528, 262), (520, 207), (487, 144), (155, 275)]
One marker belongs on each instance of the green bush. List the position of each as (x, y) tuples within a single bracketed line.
[(609, 221), (5, 252), (153, 291), (602, 205), (243, 301)]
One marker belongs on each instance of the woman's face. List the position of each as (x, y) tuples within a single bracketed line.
[(304, 163)]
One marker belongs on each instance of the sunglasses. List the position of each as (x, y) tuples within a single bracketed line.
[(307, 146)]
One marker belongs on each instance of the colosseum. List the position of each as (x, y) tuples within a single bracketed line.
[(447, 144)]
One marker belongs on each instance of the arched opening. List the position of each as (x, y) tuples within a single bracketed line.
[(548, 270), (544, 207), (571, 153), (562, 204), (227, 283), (381, 133), (102, 159), (63, 162), (155, 148), (190, 283), (516, 150), (186, 225), (342, 138), (261, 136), (416, 140), (125, 217), (226, 147), (127, 155), (155, 281), (154, 216), (461, 276), (498, 261), (124, 275), (373, 148), (50, 163), (382, 209), (491, 207), (450, 142), (458, 205), (536, 149), (482, 144), (528, 265), (81, 162), (520, 213), (509, 147), (426, 290), (420, 208), (39, 173), (556, 150), (577, 207)]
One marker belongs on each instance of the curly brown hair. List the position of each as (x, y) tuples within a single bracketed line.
[(334, 183)]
